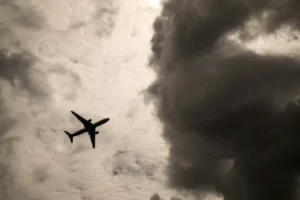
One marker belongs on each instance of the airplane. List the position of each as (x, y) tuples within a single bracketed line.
[(88, 127)]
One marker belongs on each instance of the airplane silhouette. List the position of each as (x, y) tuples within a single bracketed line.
[(88, 127)]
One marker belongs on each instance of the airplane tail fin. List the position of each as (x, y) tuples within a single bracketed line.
[(70, 136)]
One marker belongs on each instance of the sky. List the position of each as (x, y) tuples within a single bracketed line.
[(196, 93), (87, 56)]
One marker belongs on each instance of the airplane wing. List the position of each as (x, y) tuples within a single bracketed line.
[(92, 134), (79, 132), (81, 119)]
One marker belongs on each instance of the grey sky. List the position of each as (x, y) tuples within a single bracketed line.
[(219, 88), (91, 57)]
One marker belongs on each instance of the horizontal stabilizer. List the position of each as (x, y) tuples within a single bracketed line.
[(70, 136)]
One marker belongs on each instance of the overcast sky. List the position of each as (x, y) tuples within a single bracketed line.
[(92, 56)]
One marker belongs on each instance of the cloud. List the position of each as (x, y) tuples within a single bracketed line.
[(17, 21), (102, 18), (105, 17), (18, 81), (21, 13), (24, 97), (19, 70), (219, 100), (134, 164), (10, 123), (6, 120), (39, 86), (156, 196), (61, 76)]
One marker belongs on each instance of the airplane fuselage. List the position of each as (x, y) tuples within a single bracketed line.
[(93, 126), (103, 121)]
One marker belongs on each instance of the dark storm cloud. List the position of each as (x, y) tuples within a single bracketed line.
[(205, 23), (218, 100)]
